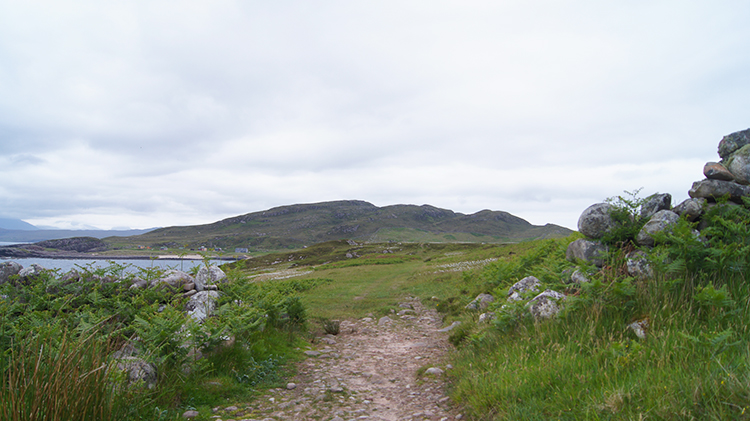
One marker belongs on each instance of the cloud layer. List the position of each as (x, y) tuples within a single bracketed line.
[(146, 114)]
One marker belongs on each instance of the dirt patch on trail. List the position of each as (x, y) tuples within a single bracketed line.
[(368, 371)]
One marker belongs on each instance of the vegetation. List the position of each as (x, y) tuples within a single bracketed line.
[(58, 335), (584, 364), (587, 363)]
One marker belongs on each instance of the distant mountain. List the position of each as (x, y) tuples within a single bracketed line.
[(15, 224), (33, 236), (301, 225)]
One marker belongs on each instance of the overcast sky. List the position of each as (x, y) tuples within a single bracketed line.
[(156, 113)]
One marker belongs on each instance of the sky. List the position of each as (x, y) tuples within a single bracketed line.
[(145, 114)]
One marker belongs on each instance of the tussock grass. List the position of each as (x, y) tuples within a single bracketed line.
[(69, 380)]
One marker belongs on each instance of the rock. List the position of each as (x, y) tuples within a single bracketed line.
[(211, 275), (655, 203), (640, 328), (138, 283), (174, 279), (291, 386), (189, 286), (717, 171), (231, 408), (312, 353), (716, 189), (127, 350), (190, 414), (691, 209), (449, 328), (578, 277), (138, 370), (527, 284), (481, 302), (739, 165), (660, 222), (486, 317), (596, 220), (384, 320), (32, 271), (637, 265), (546, 304), (434, 370), (588, 251), (8, 269), (732, 142), (201, 305)]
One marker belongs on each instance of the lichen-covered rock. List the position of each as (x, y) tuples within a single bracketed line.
[(717, 171), (732, 142), (715, 189), (579, 277), (638, 266), (546, 304), (739, 165), (640, 328), (32, 271), (211, 275), (691, 209), (201, 305), (8, 269), (138, 370), (596, 220), (527, 284), (486, 317), (658, 223), (174, 279), (588, 251), (655, 203), (481, 302)]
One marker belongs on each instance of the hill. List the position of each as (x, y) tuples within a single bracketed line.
[(301, 225)]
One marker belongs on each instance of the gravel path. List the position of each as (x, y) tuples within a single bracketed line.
[(368, 371)]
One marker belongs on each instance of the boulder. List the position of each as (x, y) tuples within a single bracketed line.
[(739, 165), (546, 304), (638, 266), (732, 142), (32, 271), (588, 251), (716, 189), (717, 171), (596, 220), (655, 203), (138, 370), (138, 283), (486, 317), (8, 269), (174, 279), (661, 221), (201, 305), (640, 328), (527, 284), (481, 302), (578, 277), (211, 275), (691, 209)]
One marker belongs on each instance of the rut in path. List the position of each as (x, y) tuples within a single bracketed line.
[(368, 371)]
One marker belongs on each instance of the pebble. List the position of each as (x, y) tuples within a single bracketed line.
[(291, 386), (190, 414)]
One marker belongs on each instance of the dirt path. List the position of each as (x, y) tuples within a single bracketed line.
[(368, 371)]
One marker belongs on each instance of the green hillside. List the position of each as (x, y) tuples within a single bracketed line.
[(296, 226)]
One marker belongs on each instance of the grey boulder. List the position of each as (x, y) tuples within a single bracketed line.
[(8, 269), (527, 284), (739, 165), (732, 142), (174, 279), (546, 304), (655, 203), (211, 275), (691, 209), (201, 305), (660, 222), (596, 220), (588, 251), (716, 189), (481, 302)]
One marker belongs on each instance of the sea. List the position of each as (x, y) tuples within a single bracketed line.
[(130, 265)]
